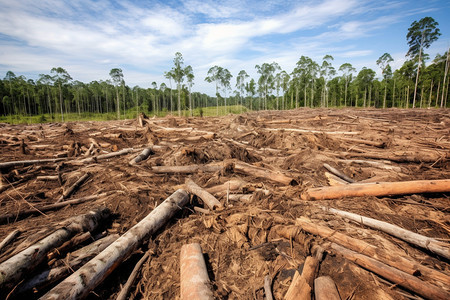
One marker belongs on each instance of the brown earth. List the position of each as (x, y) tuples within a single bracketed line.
[(240, 242)]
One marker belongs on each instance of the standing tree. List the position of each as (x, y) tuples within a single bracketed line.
[(347, 70), (190, 81), (285, 78), (60, 78), (225, 78), (240, 83), (169, 75), (420, 36), (117, 77), (383, 62), (215, 75), (326, 71), (178, 76)]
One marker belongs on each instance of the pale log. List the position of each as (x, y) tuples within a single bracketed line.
[(141, 157), (377, 189), (381, 164), (268, 287), (67, 193), (365, 142), (325, 289), (398, 277), (401, 157), (9, 238), (10, 164), (301, 285), (313, 131), (431, 244), (252, 170), (334, 180), (186, 169), (194, 280), (76, 240), (13, 269), (405, 264), (206, 197), (231, 185), (82, 282), (338, 173), (105, 156)]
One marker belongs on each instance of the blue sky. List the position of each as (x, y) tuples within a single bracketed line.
[(89, 38)]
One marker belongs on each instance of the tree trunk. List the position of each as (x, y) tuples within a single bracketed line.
[(67, 193), (338, 173), (206, 197), (10, 164), (83, 281), (301, 285), (15, 268), (252, 170), (9, 238), (194, 280), (141, 157), (325, 289), (417, 75), (117, 103), (424, 242), (385, 94), (447, 63), (61, 103)]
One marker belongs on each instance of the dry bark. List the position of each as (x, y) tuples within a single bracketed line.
[(141, 157), (207, 198), (251, 170), (325, 289), (268, 287), (398, 277), (301, 285), (186, 169), (76, 240), (105, 156), (80, 283), (338, 173), (10, 164), (435, 246), (126, 288), (9, 238), (231, 185), (13, 269), (377, 189), (67, 193)]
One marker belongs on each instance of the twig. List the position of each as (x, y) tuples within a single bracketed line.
[(126, 288)]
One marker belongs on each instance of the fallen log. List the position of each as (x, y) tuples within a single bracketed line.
[(64, 268), (82, 282), (231, 185), (141, 157), (13, 269), (104, 156), (126, 288), (377, 164), (338, 173), (67, 193), (313, 131), (259, 172), (268, 287), (301, 285), (190, 169), (365, 142), (40, 209), (325, 289), (404, 157), (206, 197), (431, 244), (9, 238), (334, 180), (398, 277), (194, 280), (76, 240), (377, 189), (10, 164), (405, 264)]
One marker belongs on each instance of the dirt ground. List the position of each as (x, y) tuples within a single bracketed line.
[(240, 242)]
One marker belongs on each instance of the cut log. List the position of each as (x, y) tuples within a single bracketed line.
[(67, 193), (386, 165), (435, 246), (338, 173), (268, 287), (325, 289), (398, 277), (206, 197), (190, 169), (126, 288), (9, 238), (40, 209), (334, 180), (13, 269), (240, 197), (314, 131), (141, 157), (49, 177), (365, 142), (400, 157), (405, 264), (76, 240), (194, 280), (377, 189), (301, 285), (82, 282), (10, 164), (104, 156), (231, 185), (259, 172), (64, 268)]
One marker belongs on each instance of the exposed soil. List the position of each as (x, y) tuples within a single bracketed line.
[(240, 242)]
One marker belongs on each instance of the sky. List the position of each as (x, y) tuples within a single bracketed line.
[(89, 38)]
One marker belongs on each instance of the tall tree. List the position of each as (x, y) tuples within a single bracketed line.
[(240, 84), (383, 62), (169, 75), (117, 78), (225, 79), (60, 78), (178, 76), (215, 75), (420, 36), (326, 71), (190, 81), (266, 79), (347, 72)]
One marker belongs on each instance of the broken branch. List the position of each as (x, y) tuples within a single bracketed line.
[(207, 198)]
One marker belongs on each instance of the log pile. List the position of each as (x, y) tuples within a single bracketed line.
[(324, 204)]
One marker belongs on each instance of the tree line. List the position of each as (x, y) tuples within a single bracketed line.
[(309, 84)]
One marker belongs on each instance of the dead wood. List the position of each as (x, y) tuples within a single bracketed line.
[(206, 197), (194, 280), (47, 177), (396, 276), (104, 156), (230, 185), (377, 189), (186, 169), (80, 283), (401, 157), (431, 244), (365, 142), (301, 285), (248, 169), (338, 173), (13, 269), (141, 157), (67, 193), (313, 131), (334, 180), (204, 137), (9, 238), (76, 240), (405, 264), (40, 209), (377, 164), (268, 287), (126, 288), (325, 289), (10, 164)]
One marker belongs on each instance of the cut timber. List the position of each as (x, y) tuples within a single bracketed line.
[(377, 189), (268, 287), (231, 185), (82, 282), (76, 240), (11, 164), (9, 238), (398, 277), (248, 169), (301, 285), (126, 288), (141, 157), (194, 280), (66, 194), (64, 268), (325, 289), (401, 157), (206, 197), (313, 131), (105, 156), (382, 164), (40, 209), (405, 264), (338, 173), (365, 142), (334, 180), (13, 269), (186, 169), (435, 246)]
